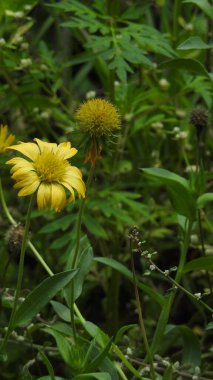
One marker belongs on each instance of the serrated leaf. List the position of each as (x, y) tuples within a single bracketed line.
[(40, 296)]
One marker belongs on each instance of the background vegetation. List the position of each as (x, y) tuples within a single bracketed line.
[(152, 60)]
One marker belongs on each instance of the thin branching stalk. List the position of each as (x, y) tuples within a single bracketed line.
[(141, 320)]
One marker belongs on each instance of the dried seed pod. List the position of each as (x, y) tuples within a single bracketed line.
[(14, 238)]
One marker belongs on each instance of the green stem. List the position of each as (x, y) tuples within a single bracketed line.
[(75, 257), (141, 320), (4, 205), (20, 274), (176, 13), (165, 312)]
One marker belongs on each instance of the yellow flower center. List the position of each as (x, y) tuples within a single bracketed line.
[(50, 167)]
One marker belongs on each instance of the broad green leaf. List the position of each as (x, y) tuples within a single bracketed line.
[(40, 296), (209, 326), (191, 353), (178, 188), (94, 227), (128, 274), (48, 365), (84, 267), (64, 346), (188, 64), (95, 375), (95, 363), (122, 331), (62, 310), (95, 332), (58, 224), (193, 43), (204, 5), (204, 199), (202, 263)]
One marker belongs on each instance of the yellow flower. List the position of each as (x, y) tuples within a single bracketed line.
[(98, 117), (5, 139), (47, 171)]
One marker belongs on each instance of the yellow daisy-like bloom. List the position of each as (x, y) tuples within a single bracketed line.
[(5, 139), (47, 171), (98, 117)]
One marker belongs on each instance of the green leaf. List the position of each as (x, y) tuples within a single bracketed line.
[(202, 263), (58, 224), (40, 296), (62, 310), (178, 188), (95, 375), (191, 353), (193, 43), (94, 227), (204, 199), (95, 363), (84, 267), (48, 365), (204, 5), (209, 326), (122, 331), (95, 332), (188, 64), (64, 346), (128, 274)]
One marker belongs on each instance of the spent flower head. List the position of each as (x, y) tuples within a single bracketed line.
[(46, 169), (5, 139), (199, 119), (98, 117)]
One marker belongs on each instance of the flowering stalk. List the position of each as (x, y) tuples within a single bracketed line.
[(141, 320), (20, 274)]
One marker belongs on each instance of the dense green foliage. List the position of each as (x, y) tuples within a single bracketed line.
[(146, 225)]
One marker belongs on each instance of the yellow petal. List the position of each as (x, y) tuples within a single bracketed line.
[(43, 145), (28, 149), (29, 189), (44, 195), (73, 171), (68, 187), (27, 180), (58, 197), (77, 183), (65, 151)]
